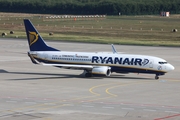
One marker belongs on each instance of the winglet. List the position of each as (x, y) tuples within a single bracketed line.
[(36, 42), (114, 49)]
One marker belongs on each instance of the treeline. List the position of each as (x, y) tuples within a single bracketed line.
[(109, 7)]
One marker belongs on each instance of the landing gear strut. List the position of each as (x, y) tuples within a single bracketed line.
[(87, 73)]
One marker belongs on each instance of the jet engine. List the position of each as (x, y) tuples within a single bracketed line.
[(101, 70)]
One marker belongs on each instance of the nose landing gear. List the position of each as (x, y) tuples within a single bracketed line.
[(157, 77)]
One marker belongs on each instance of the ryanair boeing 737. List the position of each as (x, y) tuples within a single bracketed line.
[(92, 63)]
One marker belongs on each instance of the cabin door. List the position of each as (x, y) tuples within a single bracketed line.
[(151, 63)]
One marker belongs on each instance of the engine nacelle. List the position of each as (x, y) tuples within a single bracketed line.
[(101, 70)]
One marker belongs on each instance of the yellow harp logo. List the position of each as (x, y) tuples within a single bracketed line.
[(33, 37)]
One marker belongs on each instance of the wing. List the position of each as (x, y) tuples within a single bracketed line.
[(68, 66)]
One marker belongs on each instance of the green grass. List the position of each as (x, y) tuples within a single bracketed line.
[(134, 30)]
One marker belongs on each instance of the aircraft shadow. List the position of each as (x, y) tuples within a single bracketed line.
[(3, 71), (60, 76), (47, 75)]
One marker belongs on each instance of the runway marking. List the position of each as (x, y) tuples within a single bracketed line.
[(70, 104), (49, 104), (47, 118), (149, 110), (57, 106), (108, 107), (128, 108), (30, 103), (11, 101), (107, 90), (167, 117), (171, 111), (99, 98), (90, 90), (124, 84), (86, 106), (62, 105), (173, 80), (43, 104), (97, 94)]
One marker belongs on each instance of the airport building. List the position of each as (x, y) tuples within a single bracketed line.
[(165, 14)]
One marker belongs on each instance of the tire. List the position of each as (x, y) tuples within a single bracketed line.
[(88, 75), (156, 77)]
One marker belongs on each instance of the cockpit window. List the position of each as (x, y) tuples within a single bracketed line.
[(162, 62)]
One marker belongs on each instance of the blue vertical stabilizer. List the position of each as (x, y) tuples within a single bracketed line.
[(36, 42)]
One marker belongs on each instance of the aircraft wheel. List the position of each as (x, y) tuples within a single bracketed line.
[(156, 77), (88, 75)]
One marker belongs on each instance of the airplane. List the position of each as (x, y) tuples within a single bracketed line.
[(93, 63)]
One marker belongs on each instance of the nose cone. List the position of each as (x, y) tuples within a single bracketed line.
[(170, 67)]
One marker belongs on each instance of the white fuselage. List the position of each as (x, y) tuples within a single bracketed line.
[(117, 62)]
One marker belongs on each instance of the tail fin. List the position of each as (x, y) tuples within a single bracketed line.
[(36, 42)]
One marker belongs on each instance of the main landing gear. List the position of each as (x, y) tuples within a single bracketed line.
[(88, 75)]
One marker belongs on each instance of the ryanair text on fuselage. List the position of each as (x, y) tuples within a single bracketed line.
[(119, 60)]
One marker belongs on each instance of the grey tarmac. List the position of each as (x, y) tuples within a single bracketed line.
[(36, 92)]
